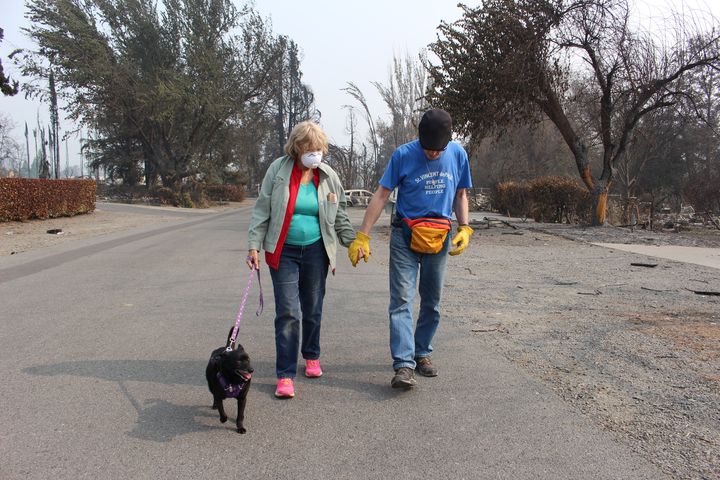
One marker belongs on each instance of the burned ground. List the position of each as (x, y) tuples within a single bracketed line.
[(631, 347)]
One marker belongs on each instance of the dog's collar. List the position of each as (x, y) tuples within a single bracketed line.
[(232, 390)]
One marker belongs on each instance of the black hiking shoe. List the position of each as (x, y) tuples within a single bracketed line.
[(424, 367), (404, 378)]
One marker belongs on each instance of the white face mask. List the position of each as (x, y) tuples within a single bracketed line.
[(311, 159)]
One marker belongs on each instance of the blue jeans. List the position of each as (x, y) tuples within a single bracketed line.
[(299, 288), (406, 345)]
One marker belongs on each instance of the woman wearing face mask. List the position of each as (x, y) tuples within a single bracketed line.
[(299, 219)]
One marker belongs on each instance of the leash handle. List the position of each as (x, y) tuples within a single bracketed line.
[(261, 305)]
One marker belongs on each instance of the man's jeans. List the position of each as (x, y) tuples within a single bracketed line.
[(406, 346), (299, 288)]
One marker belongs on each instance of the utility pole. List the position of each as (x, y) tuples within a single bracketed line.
[(67, 160), (82, 156), (44, 164), (27, 147), (35, 132)]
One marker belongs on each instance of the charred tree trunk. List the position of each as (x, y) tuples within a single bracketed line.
[(600, 204)]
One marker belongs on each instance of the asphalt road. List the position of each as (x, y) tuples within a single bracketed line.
[(103, 345)]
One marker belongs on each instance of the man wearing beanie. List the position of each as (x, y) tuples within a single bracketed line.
[(432, 176)]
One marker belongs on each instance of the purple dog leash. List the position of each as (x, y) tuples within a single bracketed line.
[(261, 303)]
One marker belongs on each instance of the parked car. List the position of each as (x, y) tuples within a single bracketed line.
[(358, 198)]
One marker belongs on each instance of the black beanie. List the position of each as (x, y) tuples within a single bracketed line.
[(435, 129)]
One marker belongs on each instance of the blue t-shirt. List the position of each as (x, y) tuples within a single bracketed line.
[(305, 223), (426, 188)]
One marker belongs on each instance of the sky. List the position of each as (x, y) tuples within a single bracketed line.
[(345, 41), (340, 42)]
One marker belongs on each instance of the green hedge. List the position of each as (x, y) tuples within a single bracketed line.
[(26, 198), (545, 199)]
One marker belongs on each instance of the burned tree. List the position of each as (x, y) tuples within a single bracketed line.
[(509, 61)]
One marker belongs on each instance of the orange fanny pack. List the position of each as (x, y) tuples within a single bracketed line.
[(427, 235)]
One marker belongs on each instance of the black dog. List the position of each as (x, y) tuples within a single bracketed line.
[(228, 375)]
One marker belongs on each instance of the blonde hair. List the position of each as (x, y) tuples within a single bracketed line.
[(306, 136)]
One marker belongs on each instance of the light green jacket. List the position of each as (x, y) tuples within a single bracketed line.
[(269, 211)]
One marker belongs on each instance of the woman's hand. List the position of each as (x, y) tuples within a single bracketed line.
[(252, 260), (359, 248)]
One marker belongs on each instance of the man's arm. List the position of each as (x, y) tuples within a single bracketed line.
[(360, 247), (462, 239), (461, 207), (375, 208)]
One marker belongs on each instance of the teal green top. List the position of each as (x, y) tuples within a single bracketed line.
[(269, 212), (305, 224)]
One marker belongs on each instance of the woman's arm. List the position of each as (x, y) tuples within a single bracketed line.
[(260, 218), (343, 227)]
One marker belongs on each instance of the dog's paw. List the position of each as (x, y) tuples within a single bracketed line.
[(241, 430), (223, 419)]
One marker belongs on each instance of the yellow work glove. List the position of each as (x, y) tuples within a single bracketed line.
[(462, 239), (361, 242)]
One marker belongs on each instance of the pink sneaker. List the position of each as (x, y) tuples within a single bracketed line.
[(285, 388), (312, 368)]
